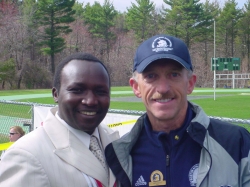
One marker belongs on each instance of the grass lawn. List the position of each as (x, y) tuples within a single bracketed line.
[(235, 106), (23, 92), (229, 103)]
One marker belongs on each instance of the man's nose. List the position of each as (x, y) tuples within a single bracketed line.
[(89, 98), (163, 85)]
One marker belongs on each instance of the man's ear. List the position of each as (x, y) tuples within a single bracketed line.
[(55, 94), (133, 83), (191, 84)]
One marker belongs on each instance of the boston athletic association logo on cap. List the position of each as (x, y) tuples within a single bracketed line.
[(161, 44)]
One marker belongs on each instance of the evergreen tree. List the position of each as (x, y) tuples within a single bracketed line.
[(100, 21), (79, 10), (54, 17), (183, 18), (205, 29), (172, 18), (120, 22), (7, 71), (77, 26), (244, 32), (227, 26), (140, 19)]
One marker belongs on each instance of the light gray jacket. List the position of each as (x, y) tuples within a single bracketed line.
[(224, 160)]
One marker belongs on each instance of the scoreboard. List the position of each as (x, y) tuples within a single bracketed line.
[(225, 64)]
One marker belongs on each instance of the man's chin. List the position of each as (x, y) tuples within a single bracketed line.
[(162, 115), (89, 129)]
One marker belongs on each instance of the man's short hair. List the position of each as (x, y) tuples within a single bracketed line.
[(65, 61)]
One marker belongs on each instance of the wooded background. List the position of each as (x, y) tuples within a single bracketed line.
[(36, 34)]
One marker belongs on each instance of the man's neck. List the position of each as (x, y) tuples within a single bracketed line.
[(167, 125)]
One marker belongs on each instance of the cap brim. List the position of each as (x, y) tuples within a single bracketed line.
[(141, 67)]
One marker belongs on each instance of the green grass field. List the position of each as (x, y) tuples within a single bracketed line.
[(231, 107), (230, 103)]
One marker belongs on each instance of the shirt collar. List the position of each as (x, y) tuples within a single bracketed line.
[(81, 135)]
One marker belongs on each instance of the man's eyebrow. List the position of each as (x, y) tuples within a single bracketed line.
[(178, 69), (146, 70), (75, 84)]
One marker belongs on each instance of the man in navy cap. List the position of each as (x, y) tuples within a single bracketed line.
[(175, 143)]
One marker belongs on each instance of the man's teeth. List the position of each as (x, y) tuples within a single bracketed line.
[(162, 100), (89, 113)]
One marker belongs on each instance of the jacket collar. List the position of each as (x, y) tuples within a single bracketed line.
[(70, 149)]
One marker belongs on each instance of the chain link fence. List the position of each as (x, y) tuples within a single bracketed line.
[(21, 113), (14, 114)]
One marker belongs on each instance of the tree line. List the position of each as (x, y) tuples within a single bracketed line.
[(36, 34)]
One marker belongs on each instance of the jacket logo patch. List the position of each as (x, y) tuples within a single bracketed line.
[(193, 173), (157, 179)]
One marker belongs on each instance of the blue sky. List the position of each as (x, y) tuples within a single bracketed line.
[(121, 5)]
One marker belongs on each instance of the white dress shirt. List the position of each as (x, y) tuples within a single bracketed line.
[(85, 139)]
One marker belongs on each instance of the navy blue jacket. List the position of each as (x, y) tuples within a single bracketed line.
[(224, 158)]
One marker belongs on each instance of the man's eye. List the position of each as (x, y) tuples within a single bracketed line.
[(102, 92), (76, 90), (150, 76), (175, 75)]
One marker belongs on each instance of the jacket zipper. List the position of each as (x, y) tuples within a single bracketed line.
[(167, 160), (168, 170)]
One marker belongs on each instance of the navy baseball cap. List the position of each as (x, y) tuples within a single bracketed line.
[(161, 47)]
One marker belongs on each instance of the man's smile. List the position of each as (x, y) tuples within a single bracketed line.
[(88, 113), (162, 100)]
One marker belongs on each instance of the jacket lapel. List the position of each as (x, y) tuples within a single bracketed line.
[(105, 140), (72, 151)]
